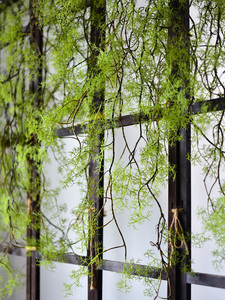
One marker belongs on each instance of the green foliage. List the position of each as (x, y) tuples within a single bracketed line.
[(214, 224), (10, 278), (129, 66)]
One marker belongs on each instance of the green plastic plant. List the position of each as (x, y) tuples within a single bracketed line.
[(133, 67)]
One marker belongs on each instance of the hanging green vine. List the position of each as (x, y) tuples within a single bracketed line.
[(131, 68)]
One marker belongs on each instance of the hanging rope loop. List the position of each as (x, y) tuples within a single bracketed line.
[(176, 234)]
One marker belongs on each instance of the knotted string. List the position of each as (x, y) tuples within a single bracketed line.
[(30, 248), (176, 234)]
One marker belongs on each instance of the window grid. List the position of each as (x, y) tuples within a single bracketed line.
[(179, 190)]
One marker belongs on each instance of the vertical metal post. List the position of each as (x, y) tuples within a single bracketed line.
[(96, 167), (180, 197), (33, 195), (180, 187)]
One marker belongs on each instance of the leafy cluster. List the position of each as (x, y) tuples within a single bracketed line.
[(98, 62)]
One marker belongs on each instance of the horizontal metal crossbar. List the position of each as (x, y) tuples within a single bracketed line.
[(128, 120), (116, 123), (216, 281), (211, 280)]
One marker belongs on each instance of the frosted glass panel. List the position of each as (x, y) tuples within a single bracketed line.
[(137, 236), (111, 291), (18, 263), (69, 197), (52, 283), (137, 239), (206, 293), (202, 186), (201, 256)]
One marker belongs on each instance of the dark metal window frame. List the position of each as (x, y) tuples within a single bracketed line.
[(179, 196), (181, 281)]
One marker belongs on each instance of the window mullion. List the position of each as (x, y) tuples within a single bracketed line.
[(96, 165), (33, 165), (179, 202)]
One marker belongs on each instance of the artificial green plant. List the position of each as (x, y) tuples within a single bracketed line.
[(131, 70)]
